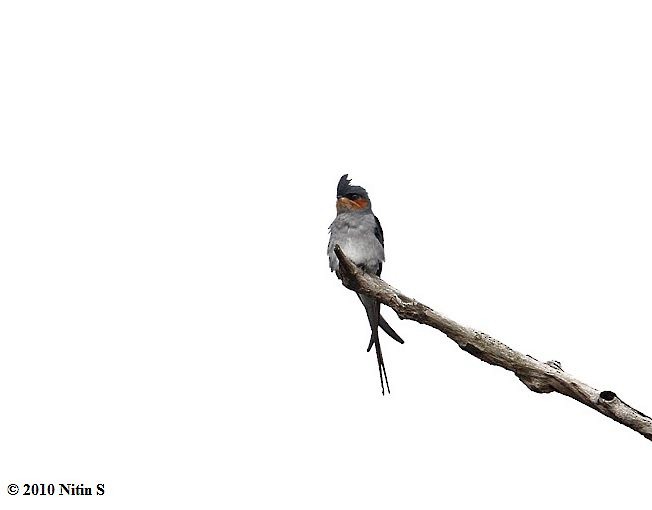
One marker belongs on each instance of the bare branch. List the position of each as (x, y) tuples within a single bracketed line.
[(539, 377)]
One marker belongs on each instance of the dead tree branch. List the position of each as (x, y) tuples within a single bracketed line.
[(539, 377)]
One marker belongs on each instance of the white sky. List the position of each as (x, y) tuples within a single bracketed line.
[(169, 325)]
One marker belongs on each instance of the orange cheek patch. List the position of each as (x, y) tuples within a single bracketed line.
[(352, 205)]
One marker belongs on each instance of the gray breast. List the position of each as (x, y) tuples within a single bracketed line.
[(355, 233)]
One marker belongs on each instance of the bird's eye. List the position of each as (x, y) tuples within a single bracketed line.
[(354, 196)]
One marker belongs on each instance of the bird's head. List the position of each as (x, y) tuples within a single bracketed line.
[(351, 198)]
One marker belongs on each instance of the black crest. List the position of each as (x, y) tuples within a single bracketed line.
[(344, 188)]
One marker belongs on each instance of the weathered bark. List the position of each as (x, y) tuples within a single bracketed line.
[(539, 377)]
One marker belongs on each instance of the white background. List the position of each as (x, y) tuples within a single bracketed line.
[(169, 325)]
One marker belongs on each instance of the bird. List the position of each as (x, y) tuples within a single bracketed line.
[(358, 232)]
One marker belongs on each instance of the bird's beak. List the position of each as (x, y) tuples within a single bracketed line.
[(341, 204)]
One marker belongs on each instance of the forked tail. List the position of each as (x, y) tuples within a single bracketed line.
[(373, 314), (381, 367)]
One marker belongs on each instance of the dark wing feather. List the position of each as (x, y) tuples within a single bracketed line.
[(378, 232)]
